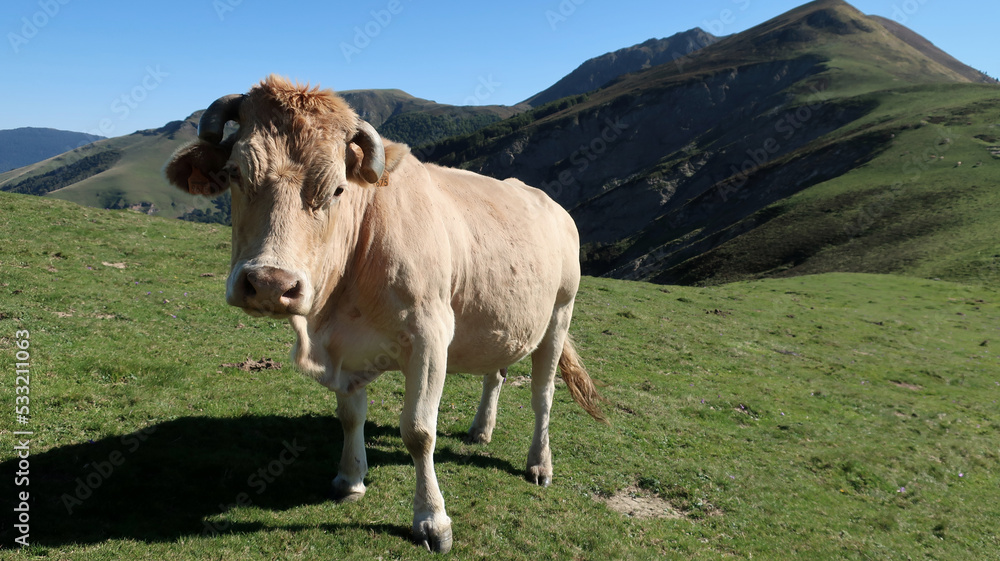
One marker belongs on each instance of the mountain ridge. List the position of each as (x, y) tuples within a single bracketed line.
[(27, 145), (598, 71)]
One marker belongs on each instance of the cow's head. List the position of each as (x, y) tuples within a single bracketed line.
[(298, 159)]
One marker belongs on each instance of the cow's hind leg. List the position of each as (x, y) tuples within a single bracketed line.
[(544, 362), (349, 485), (486, 417)]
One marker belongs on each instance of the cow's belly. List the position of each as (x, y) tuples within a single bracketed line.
[(485, 342)]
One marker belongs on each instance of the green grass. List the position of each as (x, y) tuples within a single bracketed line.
[(783, 418)]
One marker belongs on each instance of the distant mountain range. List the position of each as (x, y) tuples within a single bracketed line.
[(124, 172), (27, 145), (821, 140)]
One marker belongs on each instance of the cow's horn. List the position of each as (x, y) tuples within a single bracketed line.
[(213, 121), (373, 163)]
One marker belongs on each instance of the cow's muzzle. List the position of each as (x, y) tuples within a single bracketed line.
[(268, 291)]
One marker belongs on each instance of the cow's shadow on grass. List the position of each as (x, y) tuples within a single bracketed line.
[(174, 479)]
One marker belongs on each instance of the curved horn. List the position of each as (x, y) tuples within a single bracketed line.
[(373, 163), (213, 121)]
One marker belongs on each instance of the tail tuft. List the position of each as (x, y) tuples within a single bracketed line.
[(581, 387)]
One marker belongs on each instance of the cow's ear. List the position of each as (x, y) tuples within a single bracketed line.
[(372, 157), (199, 168), (394, 154)]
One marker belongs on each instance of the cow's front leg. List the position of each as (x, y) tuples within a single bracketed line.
[(424, 375), (352, 409)]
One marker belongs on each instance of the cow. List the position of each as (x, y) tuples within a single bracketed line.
[(381, 262)]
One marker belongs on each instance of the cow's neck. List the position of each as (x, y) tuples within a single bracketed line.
[(346, 251)]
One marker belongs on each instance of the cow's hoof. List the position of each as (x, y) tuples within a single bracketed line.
[(342, 492), (435, 540), (539, 476), (345, 497), (477, 436)]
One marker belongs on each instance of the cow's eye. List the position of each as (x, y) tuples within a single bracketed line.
[(232, 171), (338, 191)]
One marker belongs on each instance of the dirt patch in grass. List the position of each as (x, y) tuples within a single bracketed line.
[(251, 365), (636, 503), (906, 385), (522, 381)]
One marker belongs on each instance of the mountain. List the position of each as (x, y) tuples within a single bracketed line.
[(415, 121), (119, 172), (27, 145), (777, 151), (820, 140), (125, 171), (598, 71)]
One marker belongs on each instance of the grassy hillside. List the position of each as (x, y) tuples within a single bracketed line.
[(843, 416), (928, 205), (134, 178)]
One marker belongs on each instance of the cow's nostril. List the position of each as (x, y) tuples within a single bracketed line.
[(249, 290), (294, 292)]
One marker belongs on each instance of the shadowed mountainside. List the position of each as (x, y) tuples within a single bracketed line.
[(669, 164)]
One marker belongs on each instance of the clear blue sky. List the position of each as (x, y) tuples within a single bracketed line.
[(113, 67)]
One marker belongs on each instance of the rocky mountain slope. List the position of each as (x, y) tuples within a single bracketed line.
[(667, 165)]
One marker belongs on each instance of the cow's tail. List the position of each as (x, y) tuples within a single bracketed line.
[(581, 387)]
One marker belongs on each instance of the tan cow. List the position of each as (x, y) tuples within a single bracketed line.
[(381, 262)]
